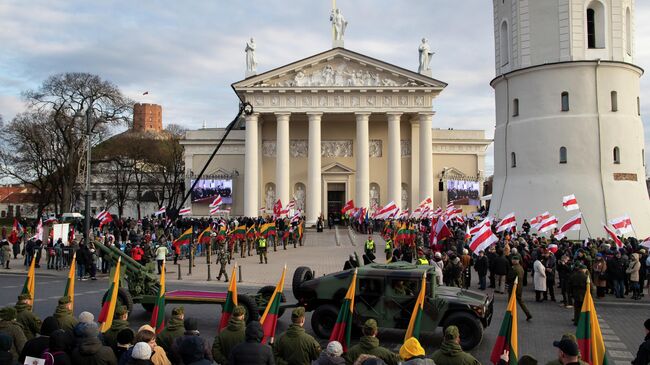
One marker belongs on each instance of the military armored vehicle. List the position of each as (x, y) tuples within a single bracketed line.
[(387, 293)]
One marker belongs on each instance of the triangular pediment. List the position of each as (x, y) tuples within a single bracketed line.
[(339, 68), (452, 173), (336, 168)]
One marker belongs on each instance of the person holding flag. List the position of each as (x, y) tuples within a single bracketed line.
[(507, 338), (450, 351), (25, 316), (158, 314), (590, 339), (269, 319), (342, 331), (295, 346), (63, 314)]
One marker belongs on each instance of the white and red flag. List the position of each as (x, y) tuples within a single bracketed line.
[(439, 231), (291, 205), (646, 243), (104, 217), (387, 211), (537, 221), (296, 217), (507, 223), (404, 214), (39, 231), (277, 208), (185, 211), (622, 225), (216, 202), (467, 234), (348, 206), (553, 248), (101, 215), (485, 222), (613, 236), (548, 224), (483, 239), (570, 203), (162, 210), (573, 224)]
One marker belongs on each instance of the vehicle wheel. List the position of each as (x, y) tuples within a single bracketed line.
[(123, 298), (470, 328), (250, 305), (324, 319), (302, 274), (266, 293)]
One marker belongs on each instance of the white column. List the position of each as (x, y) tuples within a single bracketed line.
[(282, 158), (426, 160), (394, 159), (362, 198), (415, 162), (251, 178), (313, 169)]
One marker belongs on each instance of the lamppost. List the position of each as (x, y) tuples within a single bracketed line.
[(87, 218)]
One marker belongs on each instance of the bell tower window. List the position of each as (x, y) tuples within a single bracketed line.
[(596, 25)]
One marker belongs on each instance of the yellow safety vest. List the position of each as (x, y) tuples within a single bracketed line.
[(262, 243), (388, 245), (422, 261), (370, 244)]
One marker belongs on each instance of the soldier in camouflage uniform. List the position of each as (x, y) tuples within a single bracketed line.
[(369, 344), (222, 259), (295, 346), (230, 336), (63, 314), (30, 322), (173, 329), (119, 323)]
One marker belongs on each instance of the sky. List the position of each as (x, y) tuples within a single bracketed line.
[(186, 54)]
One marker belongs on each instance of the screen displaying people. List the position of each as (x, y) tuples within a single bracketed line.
[(207, 189), (462, 189)]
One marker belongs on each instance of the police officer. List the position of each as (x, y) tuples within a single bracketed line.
[(295, 346), (388, 250), (370, 248), (261, 249), (230, 336), (517, 272), (222, 259)]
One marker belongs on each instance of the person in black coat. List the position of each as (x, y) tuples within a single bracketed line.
[(37, 345), (616, 272), (5, 346), (500, 267), (643, 354), (481, 267), (59, 348), (252, 352)]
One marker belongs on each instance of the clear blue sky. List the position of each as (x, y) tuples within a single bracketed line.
[(187, 53)]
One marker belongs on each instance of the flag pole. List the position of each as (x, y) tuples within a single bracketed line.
[(586, 226), (631, 225)]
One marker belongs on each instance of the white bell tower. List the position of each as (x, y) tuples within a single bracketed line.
[(568, 115)]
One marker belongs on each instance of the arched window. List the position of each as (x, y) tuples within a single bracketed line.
[(617, 155), (628, 31), (614, 97), (563, 157), (505, 43), (515, 107), (565, 101), (596, 25), (513, 159)]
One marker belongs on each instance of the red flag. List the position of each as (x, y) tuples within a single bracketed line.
[(277, 208), (439, 232), (348, 206), (615, 238)]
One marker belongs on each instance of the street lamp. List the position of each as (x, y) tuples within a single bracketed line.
[(87, 218)]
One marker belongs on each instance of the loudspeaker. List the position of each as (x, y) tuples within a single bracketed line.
[(440, 187)]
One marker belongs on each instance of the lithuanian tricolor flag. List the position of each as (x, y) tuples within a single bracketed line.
[(342, 331), (413, 330), (185, 238), (108, 306), (231, 300), (251, 232), (507, 339), (268, 229), (28, 287), (590, 339), (69, 286), (270, 317), (204, 237), (239, 233), (158, 314), (221, 235)]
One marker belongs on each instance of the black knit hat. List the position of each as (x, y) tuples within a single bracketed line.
[(49, 325)]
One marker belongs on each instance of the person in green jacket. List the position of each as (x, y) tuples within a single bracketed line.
[(294, 346), (30, 322), (578, 287), (369, 344), (13, 329), (173, 329), (63, 314), (450, 352), (517, 272), (230, 336), (120, 322)]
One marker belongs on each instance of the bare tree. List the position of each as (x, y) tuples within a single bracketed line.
[(67, 98)]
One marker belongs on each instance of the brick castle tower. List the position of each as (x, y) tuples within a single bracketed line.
[(147, 117)]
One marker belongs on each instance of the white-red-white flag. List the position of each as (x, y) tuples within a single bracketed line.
[(537, 221), (553, 248), (291, 205), (162, 210), (348, 206), (485, 222), (426, 201), (570, 203), (387, 211), (216, 202), (467, 234), (185, 211), (622, 225), (613, 236), (573, 224), (101, 215), (646, 243), (548, 224), (483, 239), (507, 223), (39, 231)]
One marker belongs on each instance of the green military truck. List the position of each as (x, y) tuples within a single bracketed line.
[(387, 293)]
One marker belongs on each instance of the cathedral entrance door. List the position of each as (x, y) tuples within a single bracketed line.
[(335, 200)]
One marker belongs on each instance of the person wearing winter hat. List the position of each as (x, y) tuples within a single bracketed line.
[(90, 349), (147, 335), (120, 322), (59, 348), (295, 346), (63, 314), (38, 344), (174, 328), (331, 355), (252, 351), (13, 329), (643, 354), (124, 342), (450, 352), (413, 354), (191, 330), (230, 336), (30, 321), (86, 317), (140, 354), (369, 344)]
